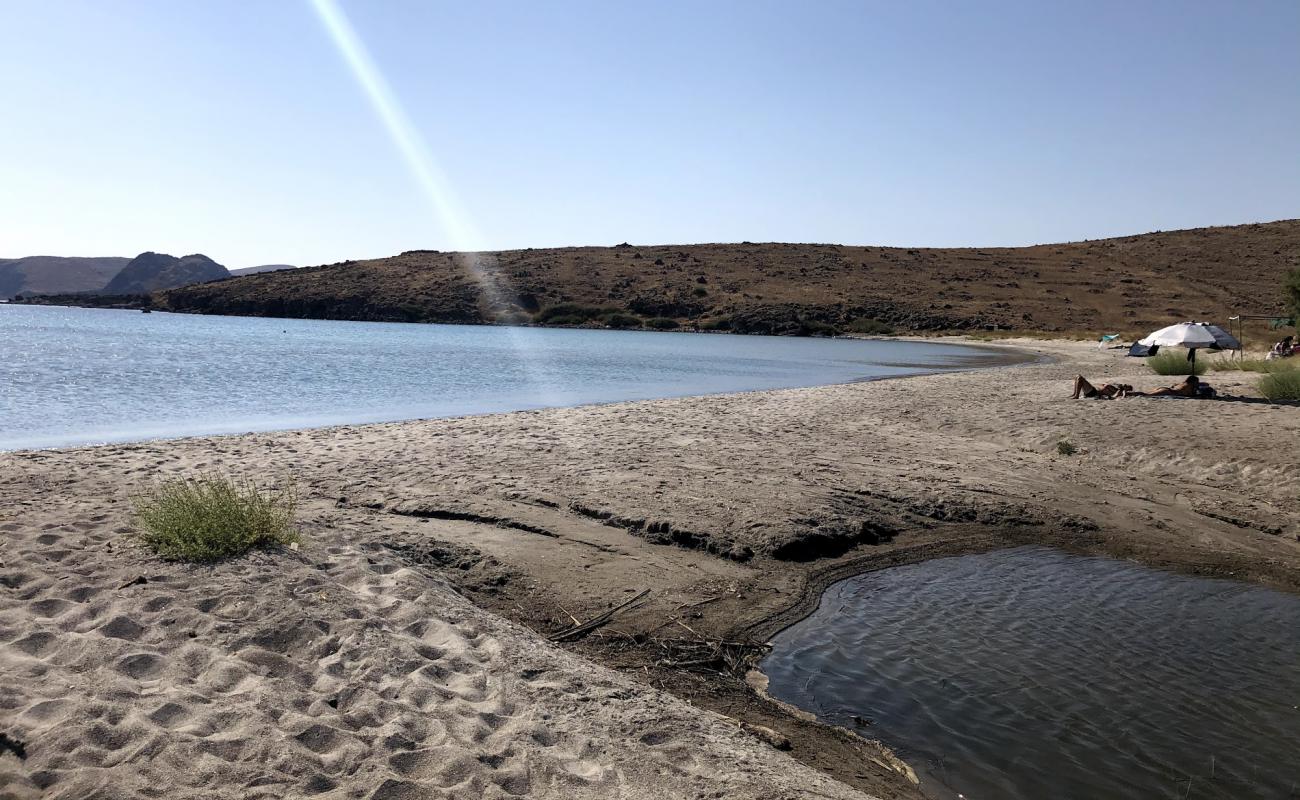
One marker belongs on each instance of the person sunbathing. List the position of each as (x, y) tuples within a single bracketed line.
[(1108, 391), (1191, 387)]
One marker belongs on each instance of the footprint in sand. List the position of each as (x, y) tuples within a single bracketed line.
[(140, 666), (122, 628)]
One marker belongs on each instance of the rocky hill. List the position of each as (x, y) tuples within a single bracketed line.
[(150, 272), (262, 268), (1124, 284), (56, 275)]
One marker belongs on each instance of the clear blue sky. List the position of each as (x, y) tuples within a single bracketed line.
[(238, 129)]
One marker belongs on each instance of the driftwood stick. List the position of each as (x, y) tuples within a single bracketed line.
[(576, 621), (695, 662), (706, 601), (596, 621), (699, 603)]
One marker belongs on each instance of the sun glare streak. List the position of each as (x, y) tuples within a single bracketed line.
[(404, 134), (461, 234)]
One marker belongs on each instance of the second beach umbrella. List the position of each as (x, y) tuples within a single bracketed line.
[(1194, 336)]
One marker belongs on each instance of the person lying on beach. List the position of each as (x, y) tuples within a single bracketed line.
[(1082, 388), (1191, 387)]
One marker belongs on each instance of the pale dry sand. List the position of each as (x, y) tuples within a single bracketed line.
[(347, 669), (338, 672)]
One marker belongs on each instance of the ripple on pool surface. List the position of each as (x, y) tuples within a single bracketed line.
[(1031, 673)]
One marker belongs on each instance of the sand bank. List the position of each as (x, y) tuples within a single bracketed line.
[(398, 654)]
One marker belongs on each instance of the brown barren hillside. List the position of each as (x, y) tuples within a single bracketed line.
[(1124, 284)]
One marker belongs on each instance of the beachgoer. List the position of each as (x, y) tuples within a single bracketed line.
[(1108, 391), (1191, 387), (1283, 349)]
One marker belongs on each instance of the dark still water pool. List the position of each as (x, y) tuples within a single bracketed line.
[(1034, 674), (78, 376)]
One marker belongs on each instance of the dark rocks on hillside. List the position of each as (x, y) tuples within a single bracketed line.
[(455, 305), (89, 300), (660, 306), (150, 272), (791, 319), (782, 320)]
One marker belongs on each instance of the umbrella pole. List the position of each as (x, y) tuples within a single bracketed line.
[(1193, 360)]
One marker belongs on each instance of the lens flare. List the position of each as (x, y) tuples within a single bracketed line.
[(460, 233)]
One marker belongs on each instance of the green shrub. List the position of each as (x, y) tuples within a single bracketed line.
[(868, 325), (583, 313), (1228, 364), (1255, 365), (716, 324), (1175, 363), (622, 321), (662, 323), (212, 517), (1284, 385), (700, 291), (1065, 448), (570, 319), (812, 327)]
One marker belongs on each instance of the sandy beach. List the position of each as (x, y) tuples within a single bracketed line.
[(402, 652)]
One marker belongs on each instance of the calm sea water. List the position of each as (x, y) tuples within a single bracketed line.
[(1030, 673), (71, 376)]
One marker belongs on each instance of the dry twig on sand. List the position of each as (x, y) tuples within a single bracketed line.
[(714, 655), (595, 622)]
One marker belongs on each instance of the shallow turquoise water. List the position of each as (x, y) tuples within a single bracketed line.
[(1031, 673), (71, 376)]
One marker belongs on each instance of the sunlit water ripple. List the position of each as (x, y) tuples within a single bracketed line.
[(1031, 674)]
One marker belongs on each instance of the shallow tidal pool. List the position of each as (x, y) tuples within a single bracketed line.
[(1032, 673)]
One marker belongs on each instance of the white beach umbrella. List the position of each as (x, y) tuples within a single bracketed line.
[(1194, 336), (1225, 340)]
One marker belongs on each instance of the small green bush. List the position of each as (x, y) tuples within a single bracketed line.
[(583, 313), (716, 324), (622, 321), (1283, 385), (1175, 363), (568, 319), (1255, 365), (1065, 448), (869, 326), (812, 327), (662, 323), (211, 517), (699, 291), (1273, 365)]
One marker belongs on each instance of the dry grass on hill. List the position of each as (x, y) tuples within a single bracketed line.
[(1126, 284)]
